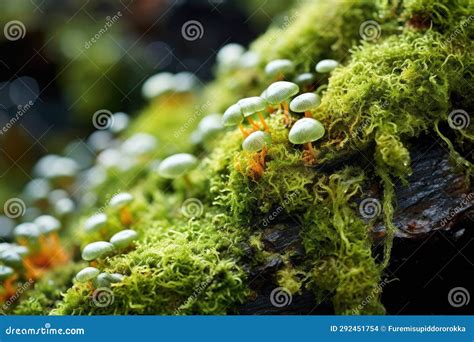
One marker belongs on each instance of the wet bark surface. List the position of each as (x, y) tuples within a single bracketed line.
[(432, 250)]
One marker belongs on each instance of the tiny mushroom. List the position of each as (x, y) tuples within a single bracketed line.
[(209, 126), (279, 93), (257, 142), (304, 103), (232, 117), (124, 238), (87, 274), (251, 105), (7, 277), (326, 65), (305, 131), (119, 122), (95, 222), (185, 82), (278, 68), (158, 84), (26, 232), (229, 55), (49, 227), (305, 80), (106, 279), (96, 250), (121, 201), (178, 165)]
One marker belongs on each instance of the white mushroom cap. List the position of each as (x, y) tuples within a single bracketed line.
[(37, 189), (326, 65), (249, 59), (43, 165), (87, 274), (64, 206), (139, 144), (279, 66), (280, 91), (177, 165), (185, 81), (5, 272), (121, 200), (233, 116), (100, 140), (27, 230), (119, 122), (47, 224), (306, 130), (11, 258), (96, 250), (229, 55), (210, 125), (256, 141), (304, 102), (304, 79), (95, 222), (123, 238), (252, 105), (158, 84)]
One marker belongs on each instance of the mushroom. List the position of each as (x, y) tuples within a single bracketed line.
[(305, 131), (232, 117), (305, 103), (95, 223), (257, 142), (252, 105), (279, 67), (121, 201), (49, 240), (249, 59), (208, 127), (7, 277), (124, 238), (106, 279), (278, 93), (305, 80), (184, 82), (119, 122), (158, 84), (96, 250), (178, 165), (87, 275), (229, 55), (139, 144), (326, 65), (26, 233)]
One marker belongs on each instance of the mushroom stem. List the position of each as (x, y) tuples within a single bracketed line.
[(243, 131), (126, 216), (93, 263), (310, 155), (286, 112), (9, 287), (262, 120), (31, 271), (308, 114), (263, 154), (253, 123)]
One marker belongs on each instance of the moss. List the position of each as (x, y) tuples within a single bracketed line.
[(385, 94)]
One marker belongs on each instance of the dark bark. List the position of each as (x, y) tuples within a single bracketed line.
[(432, 250)]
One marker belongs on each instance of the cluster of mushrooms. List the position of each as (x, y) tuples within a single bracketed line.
[(37, 249), (94, 252)]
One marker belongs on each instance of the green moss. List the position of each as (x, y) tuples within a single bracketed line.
[(385, 94)]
